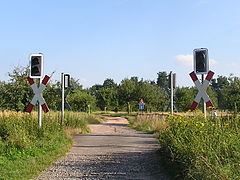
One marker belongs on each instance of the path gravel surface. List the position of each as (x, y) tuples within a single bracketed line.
[(111, 151)]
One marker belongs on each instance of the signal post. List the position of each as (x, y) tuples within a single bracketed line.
[(36, 72), (172, 86), (201, 67), (65, 80)]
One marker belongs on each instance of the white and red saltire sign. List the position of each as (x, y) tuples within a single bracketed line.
[(38, 94), (202, 87)]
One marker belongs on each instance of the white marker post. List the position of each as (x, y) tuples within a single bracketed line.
[(40, 109), (204, 104), (63, 98), (172, 85), (65, 80)]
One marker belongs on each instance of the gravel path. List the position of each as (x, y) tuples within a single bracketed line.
[(111, 151)]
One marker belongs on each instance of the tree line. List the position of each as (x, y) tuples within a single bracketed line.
[(16, 94)]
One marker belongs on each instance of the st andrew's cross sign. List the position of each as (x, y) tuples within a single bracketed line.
[(38, 94), (201, 90)]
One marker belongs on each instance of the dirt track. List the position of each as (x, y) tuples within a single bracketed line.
[(111, 151)]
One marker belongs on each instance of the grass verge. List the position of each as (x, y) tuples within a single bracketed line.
[(195, 148), (27, 164), (26, 150)]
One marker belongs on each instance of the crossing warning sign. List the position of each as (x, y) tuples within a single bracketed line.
[(38, 94), (202, 87)]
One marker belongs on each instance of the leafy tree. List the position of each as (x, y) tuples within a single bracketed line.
[(80, 100), (132, 90), (231, 95), (220, 83), (162, 80), (94, 89), (107, 97), (75, 85), (16, 94), (109, 83), (127, 91), (184, 97), (52, 95), (154, 97)]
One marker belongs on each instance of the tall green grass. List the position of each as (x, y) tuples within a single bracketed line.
[(26, 149), (195, 148)]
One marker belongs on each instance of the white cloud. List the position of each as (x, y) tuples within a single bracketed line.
[(213, 62), (187, 60), (83, 80)]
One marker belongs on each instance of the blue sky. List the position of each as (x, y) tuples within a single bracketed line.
[(98, 39)]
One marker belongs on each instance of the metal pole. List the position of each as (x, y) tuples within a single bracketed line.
[(63, 99), (204, 104), (39, 109), (171, 76)]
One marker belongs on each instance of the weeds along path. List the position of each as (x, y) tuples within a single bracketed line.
[(111, 151)]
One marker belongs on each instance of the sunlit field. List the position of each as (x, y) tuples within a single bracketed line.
[(196, 148)]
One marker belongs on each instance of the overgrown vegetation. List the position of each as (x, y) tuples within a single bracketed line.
[(16, 94), (26, 149), (203, 149), (152, 123), (195, 148)]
